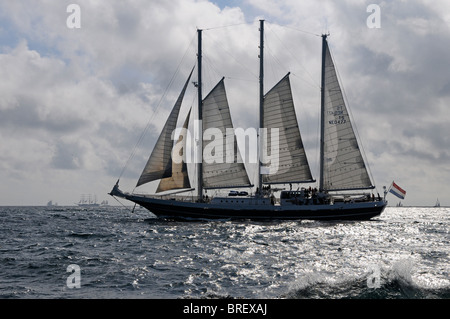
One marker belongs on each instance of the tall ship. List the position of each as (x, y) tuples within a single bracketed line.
[(345, 190), (88, 200), (438, 203)]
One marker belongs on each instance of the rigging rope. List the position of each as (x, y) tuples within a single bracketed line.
[(303, 31), (133, 153), (244, 66), (314, 83), (225, 26), (127, 208)]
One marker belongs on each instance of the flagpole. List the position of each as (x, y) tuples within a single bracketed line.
[(397, 190), (387, 190)]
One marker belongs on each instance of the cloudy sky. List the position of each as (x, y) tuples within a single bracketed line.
[(75, 101)]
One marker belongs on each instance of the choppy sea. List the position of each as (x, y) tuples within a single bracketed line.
[(112, 252)]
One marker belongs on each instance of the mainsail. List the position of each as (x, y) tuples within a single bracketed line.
[(159, 164), (343, 164), (279, 112), (179, 178), (222, 165)]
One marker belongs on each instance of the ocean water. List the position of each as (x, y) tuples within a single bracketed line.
[(117, 253)]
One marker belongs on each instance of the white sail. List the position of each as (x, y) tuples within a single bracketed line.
[(222, 165), (343, 164), (179, 178), (279, 112), (159, 164)]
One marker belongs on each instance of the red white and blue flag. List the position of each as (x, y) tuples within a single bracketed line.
[(397, 191)]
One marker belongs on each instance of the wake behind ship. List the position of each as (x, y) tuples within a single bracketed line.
[(344, 190)]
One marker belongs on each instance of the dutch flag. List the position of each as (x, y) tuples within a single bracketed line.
[(397, 191)]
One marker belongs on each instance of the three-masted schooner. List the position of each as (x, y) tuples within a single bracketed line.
[(342, 167)]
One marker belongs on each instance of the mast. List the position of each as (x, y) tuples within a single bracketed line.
[(322, 114), (261, 99), (200, 117)]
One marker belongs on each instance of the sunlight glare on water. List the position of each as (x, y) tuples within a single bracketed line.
[(132, 255)]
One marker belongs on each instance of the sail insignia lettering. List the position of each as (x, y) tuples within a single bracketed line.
[(339, 120), (338, 114), (335, 113)]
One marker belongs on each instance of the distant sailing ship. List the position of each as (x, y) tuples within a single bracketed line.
[(104, 203), (88, 200), (51, 204), (343, 173), (438, 203)]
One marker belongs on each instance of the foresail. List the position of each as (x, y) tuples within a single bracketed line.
[(222, 164), (343, 167), (279, 112), (159, 164), (179, 178)]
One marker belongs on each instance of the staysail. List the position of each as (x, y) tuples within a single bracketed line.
[(159, 164), (343, 165), (179, 178), (222, 165), (279, 112)]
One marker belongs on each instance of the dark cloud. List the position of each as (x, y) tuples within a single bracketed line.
[(25, 117)]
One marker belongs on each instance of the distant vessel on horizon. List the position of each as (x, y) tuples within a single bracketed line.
[(104, 203), (87, 200), (438, 204), (50, 203)]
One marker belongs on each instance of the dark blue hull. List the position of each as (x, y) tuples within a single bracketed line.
[(165, 208), (167, 211)]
